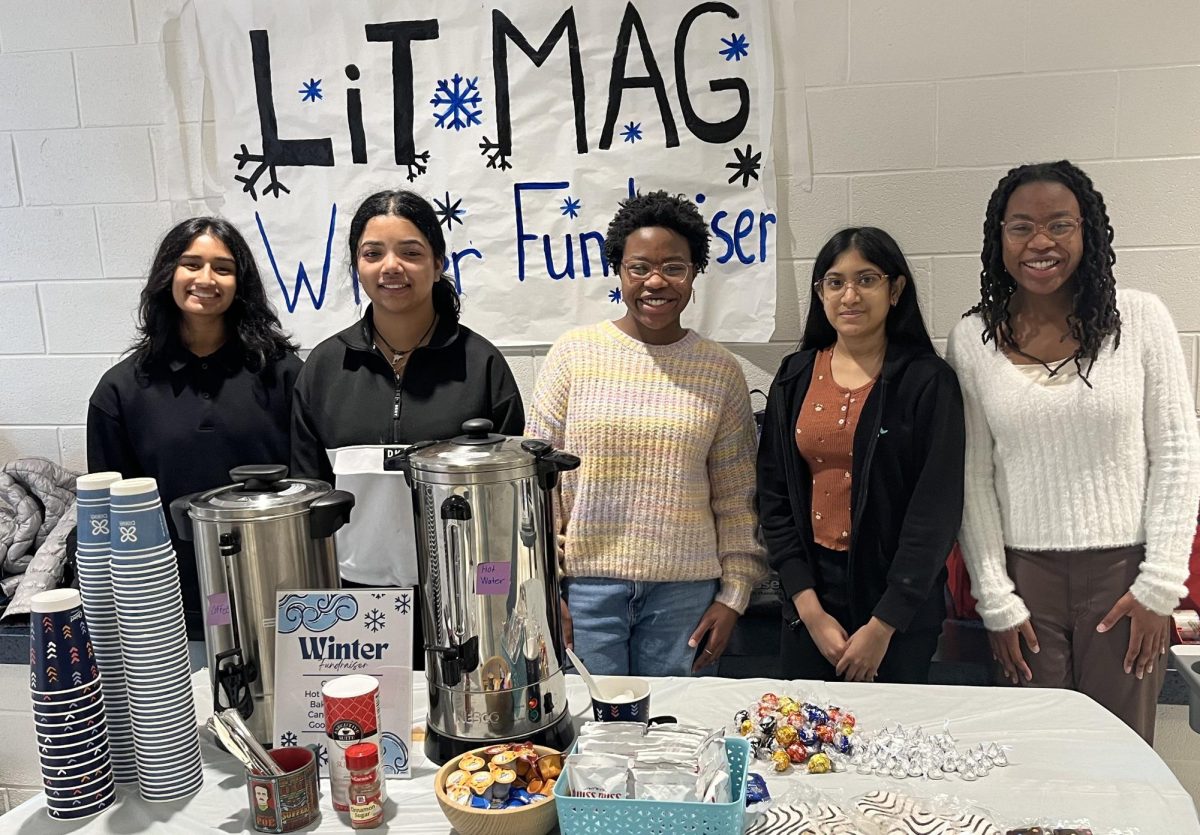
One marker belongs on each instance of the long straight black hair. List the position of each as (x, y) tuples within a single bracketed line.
[(250, 319), (904, 322)]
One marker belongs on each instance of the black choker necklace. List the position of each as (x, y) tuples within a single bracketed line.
[(397, 356)]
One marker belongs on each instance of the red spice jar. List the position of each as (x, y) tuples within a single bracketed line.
[(366, 801)]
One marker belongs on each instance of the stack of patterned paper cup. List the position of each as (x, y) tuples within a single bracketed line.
[(68, 708), (95, 586), (145, 583)]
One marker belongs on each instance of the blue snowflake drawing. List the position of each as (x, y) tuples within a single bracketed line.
[(448, 213), (288, 739), (311, 91), (570, 207), (374, 620), (614, 295), (632, 132), (737, 47), (403, 603), (459, 103)]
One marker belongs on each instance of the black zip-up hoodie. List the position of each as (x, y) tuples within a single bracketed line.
[(347, 395), (906, 489)]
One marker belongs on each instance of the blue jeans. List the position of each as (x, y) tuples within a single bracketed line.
[(626, 627)]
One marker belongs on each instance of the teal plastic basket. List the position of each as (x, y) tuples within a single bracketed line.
[(600, 816)]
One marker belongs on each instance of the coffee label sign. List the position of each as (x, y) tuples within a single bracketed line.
[(321, 635)]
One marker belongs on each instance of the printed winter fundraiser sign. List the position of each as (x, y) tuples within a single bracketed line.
[(524, 123)]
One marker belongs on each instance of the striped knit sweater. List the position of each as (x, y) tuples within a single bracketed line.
[(1070, 467), (666, 486)]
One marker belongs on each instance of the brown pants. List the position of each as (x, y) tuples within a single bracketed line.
[(1068, 593)]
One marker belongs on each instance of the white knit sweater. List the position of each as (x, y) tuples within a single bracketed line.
[(1070, 467)]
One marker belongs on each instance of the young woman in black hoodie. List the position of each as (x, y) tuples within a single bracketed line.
[(406, 372), (860, 472)]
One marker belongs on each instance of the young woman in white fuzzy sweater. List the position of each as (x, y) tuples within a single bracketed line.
[(1083, 457)]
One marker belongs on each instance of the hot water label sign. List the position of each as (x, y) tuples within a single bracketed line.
[(321, 635), (493, 578), (522, 123)]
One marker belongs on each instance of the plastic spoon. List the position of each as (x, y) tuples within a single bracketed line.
[(593, 686)]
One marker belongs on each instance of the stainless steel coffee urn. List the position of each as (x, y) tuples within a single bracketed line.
[(489, 582), (263, 533)]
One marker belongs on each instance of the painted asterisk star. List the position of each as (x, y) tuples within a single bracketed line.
[(745, 166), (738, 47), (311, 91), (632, 132), (449, 213), (570, 207), (614, 295)]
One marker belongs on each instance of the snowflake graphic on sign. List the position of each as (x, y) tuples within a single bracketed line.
[(288, 740), (403, 603), (570, 207), (632, 132), (614, 295), (458, 99), (375, 620)]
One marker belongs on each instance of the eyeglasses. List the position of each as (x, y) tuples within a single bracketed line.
[(676, 272), (835, 285), (1059, 229)]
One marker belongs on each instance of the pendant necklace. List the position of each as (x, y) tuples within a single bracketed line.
[(399, 356)]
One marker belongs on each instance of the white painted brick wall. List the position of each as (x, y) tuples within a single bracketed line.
[(915, 110), (38, 91), (98, 165)]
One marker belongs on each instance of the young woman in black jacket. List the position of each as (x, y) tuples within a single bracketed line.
[(860, 472), (406, 372)]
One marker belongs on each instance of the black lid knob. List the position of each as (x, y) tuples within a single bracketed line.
[(477, 428)]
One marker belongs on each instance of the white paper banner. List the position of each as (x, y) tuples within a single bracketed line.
[(524, 123)]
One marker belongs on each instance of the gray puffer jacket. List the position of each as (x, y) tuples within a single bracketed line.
[(37, 513)]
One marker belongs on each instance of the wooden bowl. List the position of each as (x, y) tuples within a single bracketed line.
[(536, 819)]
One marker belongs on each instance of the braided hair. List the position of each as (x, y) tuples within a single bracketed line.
[(1094, 315)]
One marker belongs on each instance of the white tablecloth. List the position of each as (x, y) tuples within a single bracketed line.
[(1069, 759)]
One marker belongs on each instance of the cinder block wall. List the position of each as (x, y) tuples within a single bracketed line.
[(915, 110)]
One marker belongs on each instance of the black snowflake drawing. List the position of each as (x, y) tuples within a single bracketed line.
[(737, 47), (449, 213), (418, 166), (379, 595), (570, 207), (375, 620), (403, 603), (745, 166), (459, 100), (288, 739), (322, 755), (632, 132), (614, 295), (249, 183), (496, 157), (311, 90)]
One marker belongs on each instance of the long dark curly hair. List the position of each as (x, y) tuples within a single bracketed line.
[(1094, 315), (250, 319)]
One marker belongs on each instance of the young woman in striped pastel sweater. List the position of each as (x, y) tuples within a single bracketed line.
[(659, 551)]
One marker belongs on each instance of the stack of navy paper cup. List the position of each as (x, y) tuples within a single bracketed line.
[(95, 587), (145, 583), (68, 708)]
